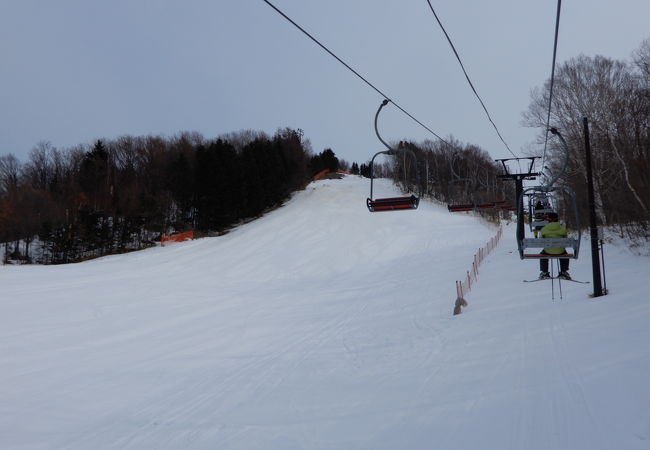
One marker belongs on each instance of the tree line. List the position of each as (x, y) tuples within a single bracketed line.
[(123, 194), (614, 96)]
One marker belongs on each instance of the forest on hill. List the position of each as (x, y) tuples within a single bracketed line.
[(615, 98), (122, 194)]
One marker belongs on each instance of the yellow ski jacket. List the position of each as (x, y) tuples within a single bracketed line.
[(554, 230)]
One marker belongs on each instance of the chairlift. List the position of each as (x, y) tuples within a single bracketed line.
[(390, 203), (539, 205), (456, 177), (541, 195), (460, 207), (480, 206), (480, 181), (569, 243)]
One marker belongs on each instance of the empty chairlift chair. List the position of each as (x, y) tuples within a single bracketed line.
[(390, 203)]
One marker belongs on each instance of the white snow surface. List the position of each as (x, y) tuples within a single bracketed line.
[(324, 326)]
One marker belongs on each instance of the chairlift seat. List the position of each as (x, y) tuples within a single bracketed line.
[(539, 193), (501, 204), (573, 244), (489, 205), (544, 256), (548, 242), (461, 207), (392, 203)]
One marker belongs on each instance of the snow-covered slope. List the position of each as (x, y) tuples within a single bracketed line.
[(323, 326)]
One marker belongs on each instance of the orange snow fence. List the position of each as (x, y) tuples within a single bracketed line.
[(178, 237), (465, 286), (320, 175), (325, 172)]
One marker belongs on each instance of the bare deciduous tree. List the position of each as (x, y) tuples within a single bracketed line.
[(613, 95)]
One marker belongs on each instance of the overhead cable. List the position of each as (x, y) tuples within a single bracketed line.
[(352, 70), (550, 94), (468, 79)]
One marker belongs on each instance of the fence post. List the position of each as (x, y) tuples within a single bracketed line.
[(478, 259)]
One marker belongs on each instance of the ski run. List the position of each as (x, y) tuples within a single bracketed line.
[(324, 326)]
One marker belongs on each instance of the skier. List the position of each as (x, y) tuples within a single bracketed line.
[(553, 230), (539, 217)]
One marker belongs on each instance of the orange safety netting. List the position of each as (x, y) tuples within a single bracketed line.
[(178, 237), (320, 175), (465, 286), (325, 172)]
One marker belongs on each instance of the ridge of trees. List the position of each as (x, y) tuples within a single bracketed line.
[(615, 97), (122, 194)]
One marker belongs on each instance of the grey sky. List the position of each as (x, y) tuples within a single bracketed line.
[(73, 71)]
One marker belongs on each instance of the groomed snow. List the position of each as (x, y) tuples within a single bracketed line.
[(323, 326)]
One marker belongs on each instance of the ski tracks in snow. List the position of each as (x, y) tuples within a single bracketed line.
[(224, 398), (573, 415)]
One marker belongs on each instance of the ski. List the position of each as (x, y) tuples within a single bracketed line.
[(556, 278), (575, 281)]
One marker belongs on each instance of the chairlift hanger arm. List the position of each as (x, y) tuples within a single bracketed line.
[(393, 203), (557, 133), (456, 175), (391, 151)]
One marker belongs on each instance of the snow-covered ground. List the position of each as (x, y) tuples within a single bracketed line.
[(323, 326)]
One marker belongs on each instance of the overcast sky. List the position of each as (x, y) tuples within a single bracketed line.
[(73, 71)]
